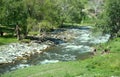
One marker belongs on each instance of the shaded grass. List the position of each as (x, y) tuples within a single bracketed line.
[(107, 65), (7, 39)]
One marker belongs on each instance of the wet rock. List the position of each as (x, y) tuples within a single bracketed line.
[(19, 51), (39, 52), (3, 60), (20, 66)]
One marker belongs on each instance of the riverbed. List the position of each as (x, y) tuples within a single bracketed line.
[(66, 44)]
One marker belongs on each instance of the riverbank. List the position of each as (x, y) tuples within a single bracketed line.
[(6, 40), (19, 55), (18, 51), (22, 50), (99, 66), (66, 44)]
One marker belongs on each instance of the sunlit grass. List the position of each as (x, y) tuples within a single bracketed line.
[(113, 45), (98, 66)]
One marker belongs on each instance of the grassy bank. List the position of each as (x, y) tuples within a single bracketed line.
[(107, 65), (7, 40)]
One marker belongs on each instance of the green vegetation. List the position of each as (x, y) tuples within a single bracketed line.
[(110, 19), (114, 45), (34, 16), (97, 66), (7, 39), (26, 16), (29, 15)]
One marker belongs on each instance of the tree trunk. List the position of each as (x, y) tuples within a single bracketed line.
[(1, 33), (18, 32)]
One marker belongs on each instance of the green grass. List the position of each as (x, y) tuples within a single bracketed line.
[(7, 40), (102, 66), (114, 45), (98, 66)]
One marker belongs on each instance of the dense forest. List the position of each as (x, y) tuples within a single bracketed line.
[(23, 16)]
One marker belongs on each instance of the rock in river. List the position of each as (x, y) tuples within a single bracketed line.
[(17, 51)]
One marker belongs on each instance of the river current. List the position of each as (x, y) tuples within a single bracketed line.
[(78, 45)]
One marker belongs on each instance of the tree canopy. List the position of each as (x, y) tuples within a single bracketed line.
[(110, 21), (25, 12)]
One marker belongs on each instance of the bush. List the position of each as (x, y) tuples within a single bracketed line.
[(45, 26)]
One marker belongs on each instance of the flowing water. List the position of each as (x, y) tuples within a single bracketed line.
[(79, 46)]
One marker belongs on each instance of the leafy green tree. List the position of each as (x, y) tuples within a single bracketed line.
[(76, 13), (31, 24), (26, 14), (111, 18), (113, 13), (69, 11), (14, 15)]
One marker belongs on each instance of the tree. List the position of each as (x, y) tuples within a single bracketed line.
[(25, 14), (111, 20), (76, 12), (69, 11), (113, 13), (14, 15)]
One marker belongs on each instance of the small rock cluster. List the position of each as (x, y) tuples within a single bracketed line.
[(20, 51), (17, 51)]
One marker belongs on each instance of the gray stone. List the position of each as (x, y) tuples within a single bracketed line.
[(13, 51), (3, 60)]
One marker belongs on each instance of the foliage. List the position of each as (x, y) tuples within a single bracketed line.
[(110, 20), (31, 24), (92, 10), (27, 14), (45, 26), (7, 40), (70, 11), (13, 14)]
